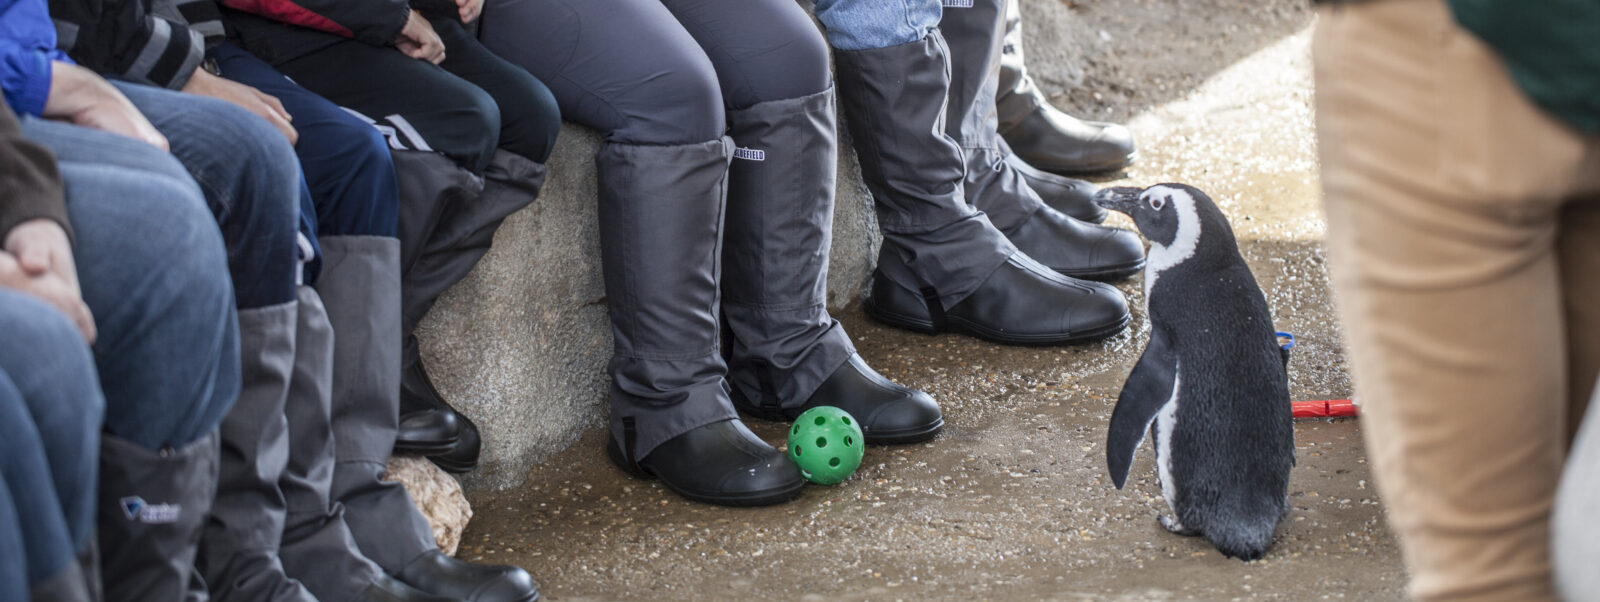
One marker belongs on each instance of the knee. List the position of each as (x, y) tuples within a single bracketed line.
[(794, 65), (531, 119), (51, 367), (151, 253), (682, 105), (352, 180)]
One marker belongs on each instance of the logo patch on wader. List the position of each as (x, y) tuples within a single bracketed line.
[(151, 514), (750, 154), (957, 3)]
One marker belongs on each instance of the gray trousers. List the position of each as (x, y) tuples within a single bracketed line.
[(976, 37), (1017, 95), (664, 80)]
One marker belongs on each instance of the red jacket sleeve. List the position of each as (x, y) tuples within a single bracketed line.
[(376, 22)]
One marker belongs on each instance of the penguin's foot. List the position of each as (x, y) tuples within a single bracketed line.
[(1174, 525), (1077, 248)]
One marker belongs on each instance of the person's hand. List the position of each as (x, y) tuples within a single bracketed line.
[(262, 104), (38, 260), (470, 9), (419, 41), (79, 96)]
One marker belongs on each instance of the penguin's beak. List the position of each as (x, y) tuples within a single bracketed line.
[(1121, 199)]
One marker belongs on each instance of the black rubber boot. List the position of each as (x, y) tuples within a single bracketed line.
[(1071, 196), (1043, 136), (442, 575), (428, 425), (1067, 245), (1022, 303), (660, 241), (389, 589), (933, 277), (887, 412), (721, 463), (448, 218), (1077, 248)]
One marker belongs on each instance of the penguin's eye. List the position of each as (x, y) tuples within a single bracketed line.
[(1158, 202)]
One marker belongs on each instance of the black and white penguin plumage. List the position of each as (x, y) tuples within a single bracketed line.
[(1212, 380)]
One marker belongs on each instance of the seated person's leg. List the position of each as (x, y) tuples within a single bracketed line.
[(1071, 247), (1040, 134), (352, 188), (786, 353), (430, 110), (250, 178), (50, 414), (426, 107), (627, 68), (247, 178), (943, 265), (529, 117), (13, 556), (462, 233), (153, 272)]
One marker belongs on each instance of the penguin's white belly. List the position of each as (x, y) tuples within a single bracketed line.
[(1166, 420)]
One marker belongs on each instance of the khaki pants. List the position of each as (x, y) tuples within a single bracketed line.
[(1464, 238)]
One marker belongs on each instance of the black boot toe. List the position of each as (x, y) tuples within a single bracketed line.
[(1076, 248), (441, 575), (888, 413), (1020, 303), (720, 463), (427, 432), (462, 458)]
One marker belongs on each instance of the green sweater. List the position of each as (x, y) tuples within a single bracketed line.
[(1552, 48)]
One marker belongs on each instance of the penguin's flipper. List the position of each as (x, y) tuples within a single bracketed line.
[(1148, 388)]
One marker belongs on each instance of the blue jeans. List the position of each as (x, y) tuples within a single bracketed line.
[(154, 273), (251, 180), (50, 413), (870, 24), (345, 160)]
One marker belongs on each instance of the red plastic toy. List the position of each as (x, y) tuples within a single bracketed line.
[(1327, 408)]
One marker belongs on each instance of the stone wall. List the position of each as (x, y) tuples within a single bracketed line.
[(521, 345)]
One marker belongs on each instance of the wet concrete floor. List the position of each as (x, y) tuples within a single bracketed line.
[(1012, 500)]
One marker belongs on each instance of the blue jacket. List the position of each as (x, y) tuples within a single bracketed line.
[(27, 46)]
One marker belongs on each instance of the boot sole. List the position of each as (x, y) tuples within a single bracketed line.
[(979, 331), (425, 448), (452, 466), (1105, 274), (912, 435), (1092, 169), (755, 498)]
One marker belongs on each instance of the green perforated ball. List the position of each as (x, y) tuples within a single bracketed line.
[(827, 444)]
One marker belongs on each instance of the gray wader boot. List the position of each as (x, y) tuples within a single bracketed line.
[(362, 283), (661, 219), (239, 551), (943, 266), (783, 347), (1067, 245), (447, 222), (152, 508), (1043, 136), (316, 547)]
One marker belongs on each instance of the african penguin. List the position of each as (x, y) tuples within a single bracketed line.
[(1212, 380)]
